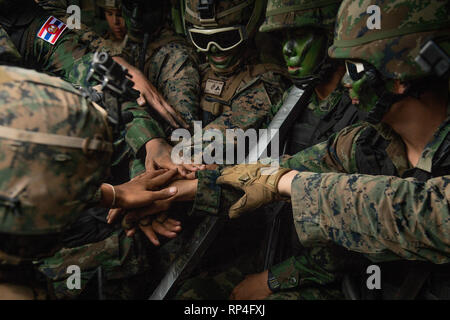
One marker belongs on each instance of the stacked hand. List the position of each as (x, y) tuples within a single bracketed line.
[(148, 217), (159, 156), (259, 183)]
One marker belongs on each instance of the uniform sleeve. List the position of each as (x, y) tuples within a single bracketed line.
[(337, 154), (383, 217), (142, 128), (212, 199), (174, 71), (69, 58)]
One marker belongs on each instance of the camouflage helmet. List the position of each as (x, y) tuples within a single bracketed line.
[(55, 150), (109, 4), (406, 26), (284, 14), (225, 13), (8, 52)]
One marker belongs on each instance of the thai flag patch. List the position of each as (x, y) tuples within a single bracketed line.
[(51, 30)]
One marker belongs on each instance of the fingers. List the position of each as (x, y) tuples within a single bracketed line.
[(150, 234), (156, 207), (238, 208), (229, 180), (161, 179), (155, 101), (150, 165), (168, 228), (191, 176), (194, 167), (113, 214), (151, 174), (163, 194), (175, 115), (141, 100), (130, 233)]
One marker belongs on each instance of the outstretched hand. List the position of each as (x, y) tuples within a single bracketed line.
[(259, 183), (132, 219), (159, 156), (150, 95), (150, 226), (141, 191)]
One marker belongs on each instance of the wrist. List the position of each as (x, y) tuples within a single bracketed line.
[(284, 184), (273, 285), (108, 197)]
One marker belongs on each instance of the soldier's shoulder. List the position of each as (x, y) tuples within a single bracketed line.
[(19, 78), (173, 46), (352, 132), (345, 141)]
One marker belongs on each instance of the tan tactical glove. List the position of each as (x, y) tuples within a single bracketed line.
[(258, 181)]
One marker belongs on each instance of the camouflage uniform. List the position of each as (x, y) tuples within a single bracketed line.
[(399, 212), (49, 172), (70, 58), (92, 31), (142, 129), (244, 101), (90, 16), (171, 65), (318, 120), (247, 91)]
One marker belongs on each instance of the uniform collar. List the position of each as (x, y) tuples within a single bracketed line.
[(426, 159)]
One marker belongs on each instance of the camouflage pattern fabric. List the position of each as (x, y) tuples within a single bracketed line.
[(90, 13), (171, 65), (139, 131), (400, 35), (8, 52), (355, 211), (89, 33), (23, 94), (301, 278), (125, 265), (224, 13), (212, 199), (285, 14), (70, 59), (254, 98), (45, 184), (365, 225)]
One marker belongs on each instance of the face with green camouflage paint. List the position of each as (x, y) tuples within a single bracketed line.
[(303, 50), (224, 60), (362, 91)]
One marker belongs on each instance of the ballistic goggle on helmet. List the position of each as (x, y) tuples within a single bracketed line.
[(224, 24)]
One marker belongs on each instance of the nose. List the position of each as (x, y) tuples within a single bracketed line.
[(214, 49), (289, 48)]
